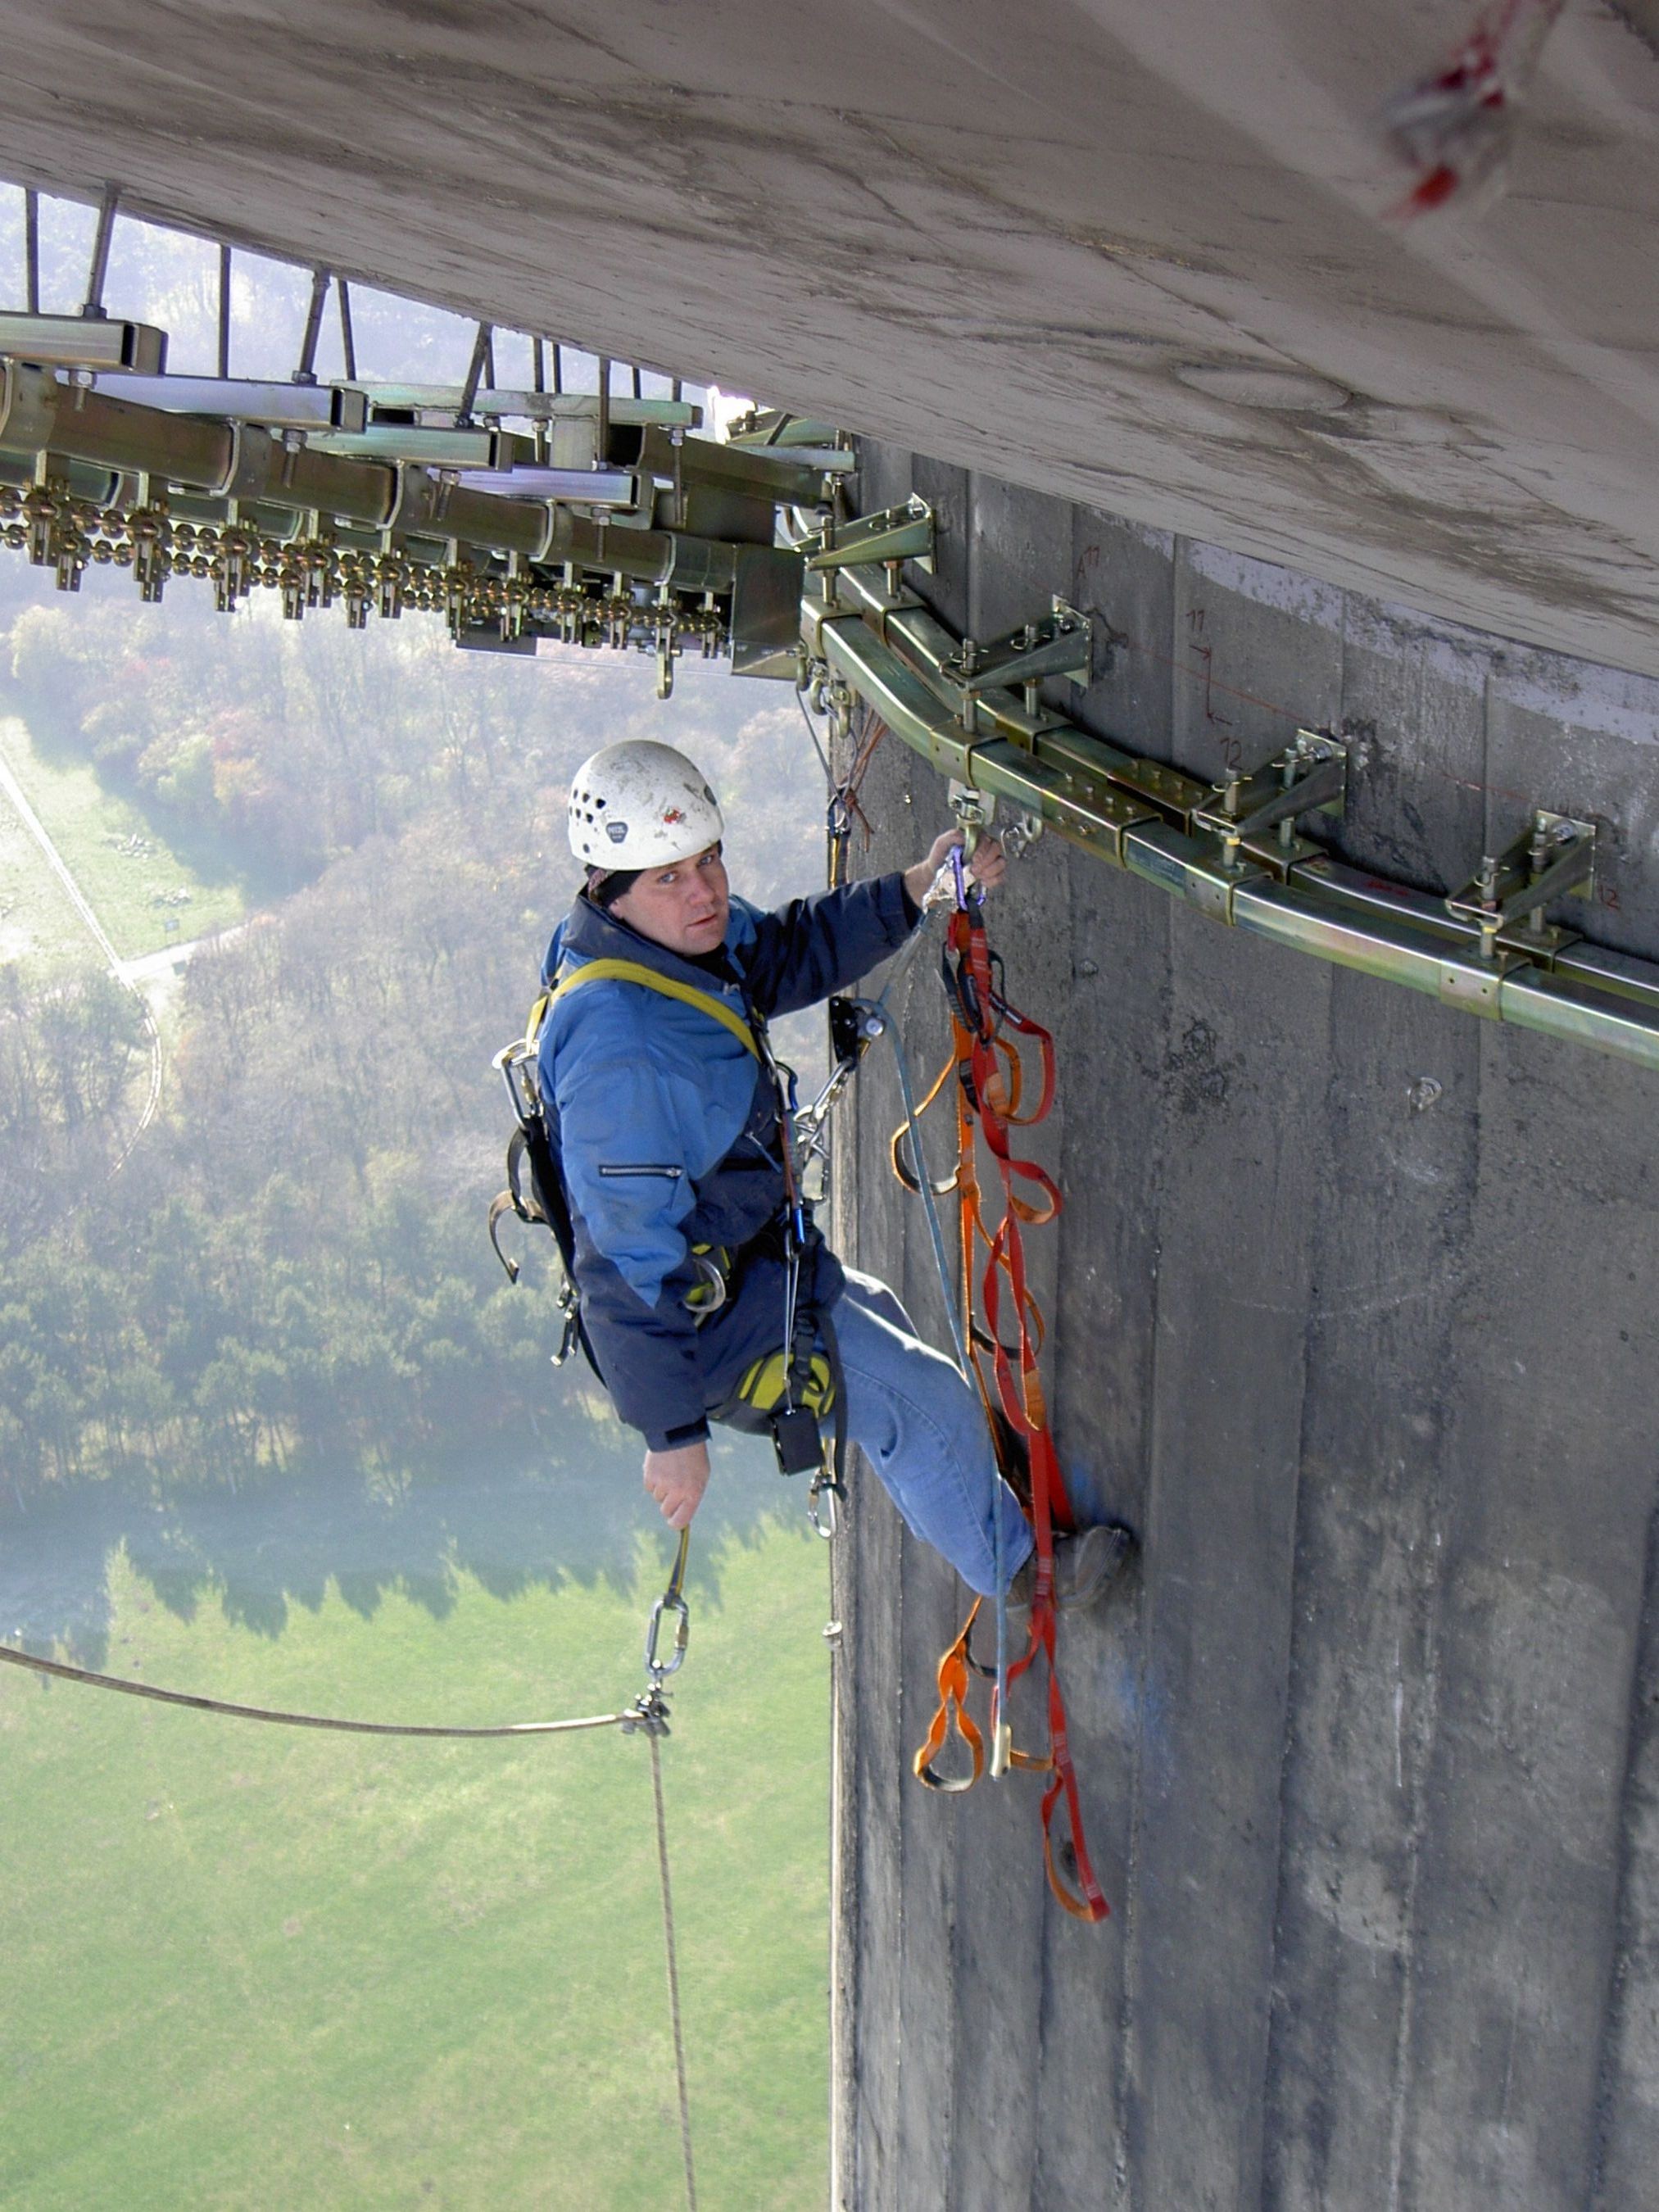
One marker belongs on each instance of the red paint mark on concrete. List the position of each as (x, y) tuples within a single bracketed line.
[(1455, 128)]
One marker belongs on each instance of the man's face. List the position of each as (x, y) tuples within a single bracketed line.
[(683, 908)]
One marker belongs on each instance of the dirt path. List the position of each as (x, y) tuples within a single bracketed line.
[(123, 971)]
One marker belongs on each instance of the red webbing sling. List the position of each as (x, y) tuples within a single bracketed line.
[(989, 1082)]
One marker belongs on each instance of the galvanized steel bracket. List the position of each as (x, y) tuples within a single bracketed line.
[(1311, 776), (1555, 857), (1232, 853), (895, 535), (1060, 644)]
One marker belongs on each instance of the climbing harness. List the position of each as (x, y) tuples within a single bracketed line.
[(668, 987), (986, 1073), (543, 1200), (787, 1392)]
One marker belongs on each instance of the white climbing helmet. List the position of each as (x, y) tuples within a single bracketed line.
[(638, 805)]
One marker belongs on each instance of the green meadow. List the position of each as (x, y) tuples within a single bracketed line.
[(245, 1967), (133, 880), (37, 921)]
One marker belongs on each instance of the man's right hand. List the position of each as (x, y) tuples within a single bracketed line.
[(676, 1479), (987, 867)]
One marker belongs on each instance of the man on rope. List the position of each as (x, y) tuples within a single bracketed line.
[(706, 1293)]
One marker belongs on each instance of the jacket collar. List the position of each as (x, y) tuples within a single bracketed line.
[(589, 932)]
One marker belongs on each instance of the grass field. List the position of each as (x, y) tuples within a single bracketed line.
[(125, 871), (251, 1967), (37, 922)]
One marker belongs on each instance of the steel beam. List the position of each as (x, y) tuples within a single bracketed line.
[(575, 487), (528, 406), (42, 419), (310, 407), (84, 342)]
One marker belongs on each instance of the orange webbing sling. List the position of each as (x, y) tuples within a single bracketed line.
[(986, 1067)]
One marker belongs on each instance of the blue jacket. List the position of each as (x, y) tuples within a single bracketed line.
[(667, 1134)]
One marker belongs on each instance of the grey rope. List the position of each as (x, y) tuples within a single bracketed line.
[(959, 1324), (649, 1715), (671, 1955), (935, 1232), (823, 757), (131, 1689)]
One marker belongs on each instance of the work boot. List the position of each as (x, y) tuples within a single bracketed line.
[(1086, 1565)]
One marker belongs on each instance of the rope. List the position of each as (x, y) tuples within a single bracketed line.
[(671, 1952), (823, 757), (844, 802), (935, 1231), (649, 1716), (959, 1326), (131, 1689), (955, 1320)]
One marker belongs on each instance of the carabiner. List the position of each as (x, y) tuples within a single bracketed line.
[(658, 1669), (672, 1601), (825, 1486), (958, 879)]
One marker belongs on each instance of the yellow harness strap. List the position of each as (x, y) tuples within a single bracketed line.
[(634, 972)]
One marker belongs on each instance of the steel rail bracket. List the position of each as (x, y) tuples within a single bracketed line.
[(895, 535), (1555, 857)]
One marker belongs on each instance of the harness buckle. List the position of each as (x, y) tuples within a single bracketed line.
[(711, 1290)]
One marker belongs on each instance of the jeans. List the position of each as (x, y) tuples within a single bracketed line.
[(923, 1430)]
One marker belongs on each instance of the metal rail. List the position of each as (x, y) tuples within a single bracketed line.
[(1232, 851)]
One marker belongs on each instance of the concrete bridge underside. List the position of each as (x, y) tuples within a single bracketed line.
[(1138, 257), (1353, 1299)]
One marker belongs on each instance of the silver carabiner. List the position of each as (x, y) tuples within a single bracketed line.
[(709, 1290), (570, 1307), (660, 1669), (825, 1486)]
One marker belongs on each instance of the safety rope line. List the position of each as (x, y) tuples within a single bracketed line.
[(201, 1704), (989, 1085), (930, 1209), (845, 808), (648, 1716), (671, 1952)]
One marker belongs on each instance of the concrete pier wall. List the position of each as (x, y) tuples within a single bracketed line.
[(1352, 1316)]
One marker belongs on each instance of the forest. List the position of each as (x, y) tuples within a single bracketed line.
[(289, 1271)]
